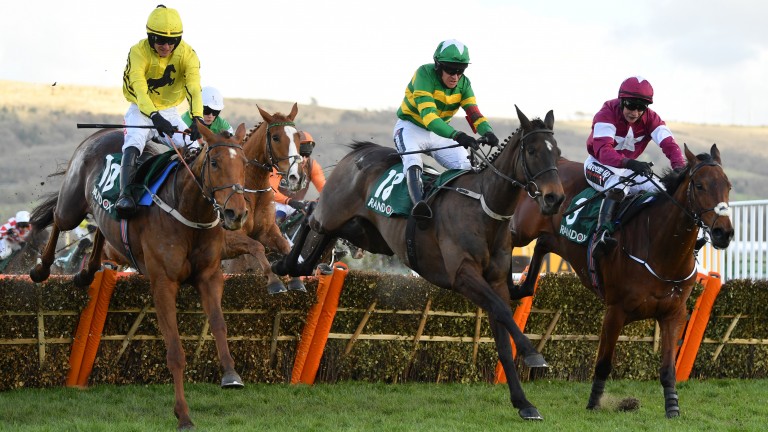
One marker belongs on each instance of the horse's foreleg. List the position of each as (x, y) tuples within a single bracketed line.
[(542, 248), (210, 292), (165, 305), (670, 331), (85, 276), (42, 270), (290, 261), (237, 244), (504, 348), (613, 322)]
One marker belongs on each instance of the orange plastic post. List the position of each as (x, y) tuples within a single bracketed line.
[(696, 327), (323, 283), (330, 306), (702, 279), (522, 312), (81, 334), (108, 282)]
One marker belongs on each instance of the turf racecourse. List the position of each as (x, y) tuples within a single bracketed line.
[(715, 405)]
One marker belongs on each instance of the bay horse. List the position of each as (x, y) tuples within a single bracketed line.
[(464, 248), (274, 143), (180, 243), (659, 282)]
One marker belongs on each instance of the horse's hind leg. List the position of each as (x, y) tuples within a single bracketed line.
[(42, 270), (237, 244), (85, 276), (613, 322)]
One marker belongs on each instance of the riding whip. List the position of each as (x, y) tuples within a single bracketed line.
[(111, 126)]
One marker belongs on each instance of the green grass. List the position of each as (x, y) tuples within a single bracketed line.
[(722, 405)]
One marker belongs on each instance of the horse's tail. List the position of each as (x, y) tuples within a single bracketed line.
[(42, 215)]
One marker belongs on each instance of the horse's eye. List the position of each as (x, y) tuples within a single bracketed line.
[(699, 186), (531, 151), (214, 163), (276, 138)]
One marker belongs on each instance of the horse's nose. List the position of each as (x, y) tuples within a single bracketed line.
[(552, 202), (233, 220), (721, 237)]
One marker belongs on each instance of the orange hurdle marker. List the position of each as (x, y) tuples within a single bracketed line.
[(697, 324), (81, 334), (323, 283), (108, 282), (330, 305)]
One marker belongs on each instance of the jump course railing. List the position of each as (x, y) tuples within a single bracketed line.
[(326, 319)]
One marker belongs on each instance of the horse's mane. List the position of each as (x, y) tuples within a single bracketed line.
[(280, 117), (672, 179), (537, 123), (368, 154)]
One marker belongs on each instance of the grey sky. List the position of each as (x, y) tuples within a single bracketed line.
[(706, 59)]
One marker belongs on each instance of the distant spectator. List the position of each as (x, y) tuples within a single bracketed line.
[(14, 233)]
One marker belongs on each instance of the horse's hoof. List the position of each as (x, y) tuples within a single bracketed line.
[(279, 268), (82, 279), (535, 360), (530, 413), (231, 380), (673, 412), (517, 292), (39, 274), (186, 426), (295, 284), (276, 288)]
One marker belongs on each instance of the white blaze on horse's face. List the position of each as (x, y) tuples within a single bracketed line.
[(550, 146), (723, 209), (293, 156), (232, 153)]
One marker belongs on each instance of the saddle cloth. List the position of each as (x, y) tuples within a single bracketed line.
[(150, 174), (579, 226), (389, 195)]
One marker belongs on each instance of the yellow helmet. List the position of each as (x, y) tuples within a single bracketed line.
[(165, 22)]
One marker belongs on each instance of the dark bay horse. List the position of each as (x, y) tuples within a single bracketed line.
[(465, 246), (179, 244), (651, 273), (274, 143)]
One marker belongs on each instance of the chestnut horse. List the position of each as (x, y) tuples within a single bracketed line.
[(651, 272), (273, 144), (180, 243), (465, 246)]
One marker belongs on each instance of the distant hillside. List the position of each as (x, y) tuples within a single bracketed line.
[(40, 135)]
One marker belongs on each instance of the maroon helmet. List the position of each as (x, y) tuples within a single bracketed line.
[(636, 87)]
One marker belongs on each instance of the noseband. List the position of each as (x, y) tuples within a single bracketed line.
[(697, 215)]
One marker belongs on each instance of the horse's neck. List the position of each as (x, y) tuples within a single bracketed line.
[(671, 229), (188, 197), (500, 194), (257, 175)]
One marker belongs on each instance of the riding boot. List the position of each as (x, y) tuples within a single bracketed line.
[(421, 210), (604, 243), (126, 206)]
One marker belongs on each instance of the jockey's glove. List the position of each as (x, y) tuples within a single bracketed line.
[(641, 168), (163, 126), (194, 130), (466, 141), (298, 204), (491, 139)]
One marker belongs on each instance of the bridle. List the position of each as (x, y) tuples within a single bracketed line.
[(530, 186), (237, 188), (272, 161)]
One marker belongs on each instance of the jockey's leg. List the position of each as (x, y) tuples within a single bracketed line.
[(126, 206), (604, 243), (421, 209)]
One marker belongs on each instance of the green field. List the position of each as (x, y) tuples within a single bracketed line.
[(714, 405)]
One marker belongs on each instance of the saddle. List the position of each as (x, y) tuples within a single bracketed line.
[(153, 170)]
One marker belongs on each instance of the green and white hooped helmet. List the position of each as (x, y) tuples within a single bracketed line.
[(452, 52)]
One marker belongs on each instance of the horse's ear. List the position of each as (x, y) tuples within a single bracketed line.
[(524, 122), (240, 133), (265, 115), (715, 153), (549, 120), (204, 131), (294, 111), (689, 155)]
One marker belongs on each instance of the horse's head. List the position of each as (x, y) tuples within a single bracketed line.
[(707, 195), (222, 175), (538, 155), (277, 146)]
